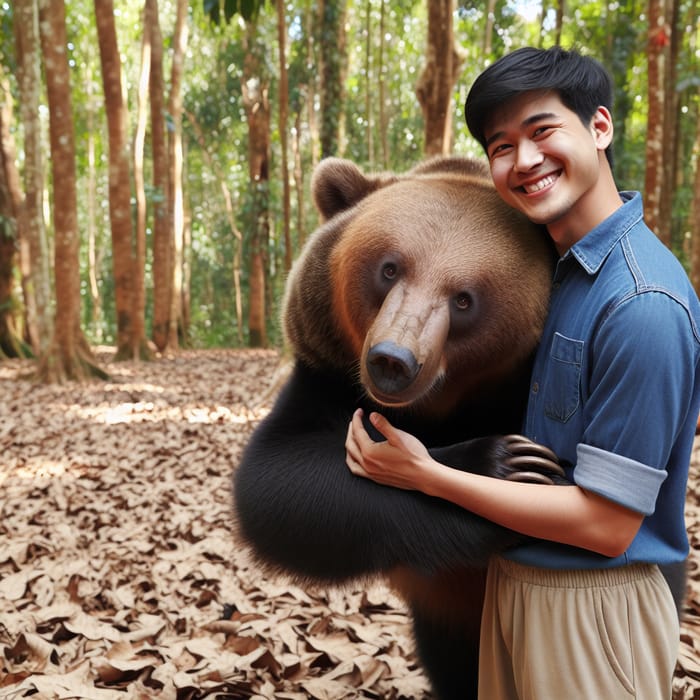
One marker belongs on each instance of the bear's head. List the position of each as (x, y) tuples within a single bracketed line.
[(426, 284)]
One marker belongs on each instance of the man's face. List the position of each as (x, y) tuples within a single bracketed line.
[(545, 162)]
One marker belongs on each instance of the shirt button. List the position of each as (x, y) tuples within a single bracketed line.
[(535, 387)]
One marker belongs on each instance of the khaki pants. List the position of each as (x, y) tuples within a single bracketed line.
[(609, 634)]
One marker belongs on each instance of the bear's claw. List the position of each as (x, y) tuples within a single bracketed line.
[(526, 453)]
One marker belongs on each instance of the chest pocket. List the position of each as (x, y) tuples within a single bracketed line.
[(562, 392)]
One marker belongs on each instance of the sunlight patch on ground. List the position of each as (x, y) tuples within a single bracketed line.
[(35, 469), (143, 411)]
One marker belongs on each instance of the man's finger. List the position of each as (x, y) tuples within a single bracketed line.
[(359, 434), (394, 436), (384, 427)]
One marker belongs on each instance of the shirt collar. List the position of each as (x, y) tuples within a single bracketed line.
[(596, 245)]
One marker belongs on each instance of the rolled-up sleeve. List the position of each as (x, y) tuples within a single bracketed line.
[(619, 479)]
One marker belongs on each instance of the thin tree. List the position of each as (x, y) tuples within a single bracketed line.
[(313, 60), (68, 355), (658, 41), (162, 232), (130, 333), (671, 151), (541, 15), (369, 98), (558, 22), (11, 201), (255, 91), (257, 108), (382, 70), (94, 250), (303, 102), (332, 59), (230, 218), (139, 282), (33, 250), (283, 129), (176, 208), (487, 47), (694, 218), (436, 83)]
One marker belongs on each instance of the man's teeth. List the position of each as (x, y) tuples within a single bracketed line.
[(541, 184)]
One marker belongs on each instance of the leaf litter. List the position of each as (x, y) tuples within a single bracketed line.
[(120, 576)]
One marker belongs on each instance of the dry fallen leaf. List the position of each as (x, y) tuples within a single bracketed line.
[(119, 573)]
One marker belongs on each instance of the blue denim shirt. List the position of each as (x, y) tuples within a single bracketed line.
[(615, 389)]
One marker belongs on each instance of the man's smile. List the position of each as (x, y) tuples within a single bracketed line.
[(538, 185)]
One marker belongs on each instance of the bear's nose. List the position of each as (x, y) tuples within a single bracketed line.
[(391, 367)]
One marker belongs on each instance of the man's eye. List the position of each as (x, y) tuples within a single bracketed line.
[(541, 130), (500, 149)]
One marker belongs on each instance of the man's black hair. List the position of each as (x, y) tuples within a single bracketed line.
[(582, 84)]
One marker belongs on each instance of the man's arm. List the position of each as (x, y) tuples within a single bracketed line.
[(566, 514)]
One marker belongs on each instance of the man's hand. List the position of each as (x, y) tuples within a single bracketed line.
[(402, 461)]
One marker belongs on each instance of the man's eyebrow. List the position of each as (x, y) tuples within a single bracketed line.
[(494, 137), (533, 119), (538, 118)]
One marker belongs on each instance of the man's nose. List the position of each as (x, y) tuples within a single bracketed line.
[(527, 156)]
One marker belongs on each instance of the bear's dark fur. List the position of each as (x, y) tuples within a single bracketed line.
[(422, 296)]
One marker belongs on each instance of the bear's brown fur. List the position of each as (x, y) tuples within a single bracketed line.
[(461, 239), (423, 296)]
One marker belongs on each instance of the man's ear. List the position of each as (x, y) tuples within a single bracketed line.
[(602, 127)]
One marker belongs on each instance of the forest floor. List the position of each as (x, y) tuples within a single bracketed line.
[(119, 573)]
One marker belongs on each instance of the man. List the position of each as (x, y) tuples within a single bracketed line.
[(581, 611)]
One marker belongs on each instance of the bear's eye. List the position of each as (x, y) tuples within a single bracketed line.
[(463, 301), (389, 270)]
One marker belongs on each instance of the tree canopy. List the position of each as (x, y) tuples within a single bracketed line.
[(245, 97)]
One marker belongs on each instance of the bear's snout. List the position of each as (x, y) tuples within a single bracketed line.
[(391, 367)]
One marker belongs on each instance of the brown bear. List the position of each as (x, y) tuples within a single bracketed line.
[(422, 296)]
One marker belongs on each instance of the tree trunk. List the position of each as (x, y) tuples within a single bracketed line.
[(162, 231), (68, 356), (657, 44), (11, 202), (671, 139), (94, 253), (487, 46), (283, 119), (381, 69), (11, 344), (230, 218), (332, 68), (255, 101), (436, 83), (305, 104), (299, 182), (139, 270), (314, 82), (541, 15), (559, 22), (186, 318), (256, 314), (694, 219), (175, 156), (34, 251), (369, 98), (128, 343), (620, 57)]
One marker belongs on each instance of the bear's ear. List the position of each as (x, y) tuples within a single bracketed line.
[(338, 184)]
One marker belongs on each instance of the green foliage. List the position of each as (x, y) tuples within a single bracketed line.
[(248, 9), (8, 227), (7, 54), (399, 65), (385, 41), (213, 312)]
